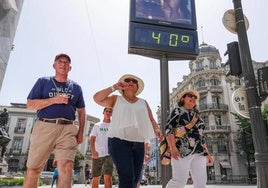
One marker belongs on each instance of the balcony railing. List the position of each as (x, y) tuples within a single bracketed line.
[(216, 89), (218, 128), (213, 106), (15, 151), (213, 89), (19, 130)]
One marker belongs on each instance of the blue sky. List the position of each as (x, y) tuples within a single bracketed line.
[(95, 35)]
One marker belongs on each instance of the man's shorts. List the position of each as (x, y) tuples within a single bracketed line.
[(47, 137), (102, 165)]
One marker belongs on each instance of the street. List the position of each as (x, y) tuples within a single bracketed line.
[(147, 186), (160, 186)]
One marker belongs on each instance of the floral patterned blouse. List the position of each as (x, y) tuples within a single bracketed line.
[(189, 141)]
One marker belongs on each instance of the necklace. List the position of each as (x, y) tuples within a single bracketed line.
[(130, 100), (59, 89)]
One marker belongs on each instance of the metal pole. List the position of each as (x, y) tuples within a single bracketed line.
[(165, 170), (257, 123)]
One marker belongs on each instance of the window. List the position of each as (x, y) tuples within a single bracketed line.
[(218, 120), (222, 144), (17, 145), (21, 124), (200, 83), (214, 81), (199, 66), (205, 119), (209, 144), (215, 101), (238, 82), (212, 65)]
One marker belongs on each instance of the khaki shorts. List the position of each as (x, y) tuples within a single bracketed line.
[(102, 165), (47, 137)]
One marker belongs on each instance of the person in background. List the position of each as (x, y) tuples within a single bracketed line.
[(189, 152), (101, 160), (131, 125), (56, 100), (146, 159), (55, 177), (87, 175)]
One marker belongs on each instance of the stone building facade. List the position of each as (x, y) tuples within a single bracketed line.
[(19, 127), (208, 76)]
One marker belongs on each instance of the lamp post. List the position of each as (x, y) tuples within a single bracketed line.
[(257, 123), (165, 170)]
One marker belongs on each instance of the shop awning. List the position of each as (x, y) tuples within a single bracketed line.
[(225, 164)]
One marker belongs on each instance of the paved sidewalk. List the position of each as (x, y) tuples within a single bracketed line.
[(160, 186)]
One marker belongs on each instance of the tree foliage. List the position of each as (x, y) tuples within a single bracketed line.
[(265, 113), (245, 140), (265, 117), (77, 161)]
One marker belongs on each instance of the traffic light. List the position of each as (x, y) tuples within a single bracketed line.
[(234, 59)]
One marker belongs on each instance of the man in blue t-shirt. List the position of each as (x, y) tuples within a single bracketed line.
[(56, 99)]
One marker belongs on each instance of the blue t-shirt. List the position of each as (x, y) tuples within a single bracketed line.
[(48, 87)]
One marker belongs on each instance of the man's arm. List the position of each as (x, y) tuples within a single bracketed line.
[(81, 119), (37, 104), (92, 146)]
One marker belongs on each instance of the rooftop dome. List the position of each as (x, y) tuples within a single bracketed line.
[(205, 48)]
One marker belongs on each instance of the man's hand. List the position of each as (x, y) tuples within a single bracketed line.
[(79, 138), (95, 154), (60, 99)]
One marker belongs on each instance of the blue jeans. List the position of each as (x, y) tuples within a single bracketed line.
[(128, 160)]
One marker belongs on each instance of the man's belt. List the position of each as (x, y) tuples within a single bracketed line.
[(56, 121)]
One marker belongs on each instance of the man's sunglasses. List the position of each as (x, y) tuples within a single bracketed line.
[(190, 95), (131, 80)]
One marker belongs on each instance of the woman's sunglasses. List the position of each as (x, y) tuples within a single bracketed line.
[(190, 95), (131, 80)]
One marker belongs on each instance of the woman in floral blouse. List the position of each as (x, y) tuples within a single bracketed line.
[(189, 152)]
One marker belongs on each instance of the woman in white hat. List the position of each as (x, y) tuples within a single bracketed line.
[(189, 152), (131, 125)]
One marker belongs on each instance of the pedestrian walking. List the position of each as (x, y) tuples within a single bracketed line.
[(87, 175), (56, 100), (102, 163), (131, 125), (55, 177), (187, 144)]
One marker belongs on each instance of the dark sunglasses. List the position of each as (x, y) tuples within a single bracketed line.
[(190, 95), (131, 80)]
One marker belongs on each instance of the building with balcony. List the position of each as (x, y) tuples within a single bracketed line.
[(208, 76)]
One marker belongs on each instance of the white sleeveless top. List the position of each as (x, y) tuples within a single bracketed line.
[(130, 121)]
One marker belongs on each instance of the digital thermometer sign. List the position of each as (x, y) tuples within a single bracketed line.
[(155, 41)]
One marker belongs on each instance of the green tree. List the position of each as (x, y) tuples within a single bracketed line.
[(265, 113), (77, 161), (265, 118), (245, 141)]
